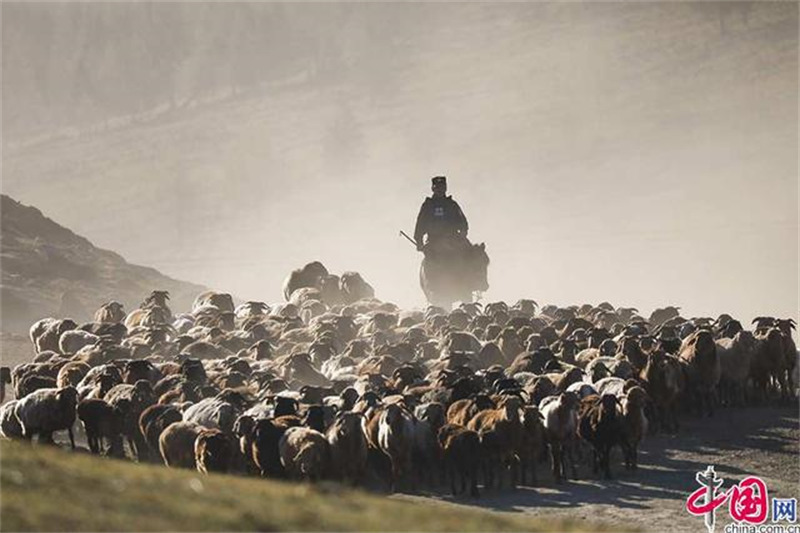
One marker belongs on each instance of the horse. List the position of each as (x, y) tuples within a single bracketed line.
[(455, 276)]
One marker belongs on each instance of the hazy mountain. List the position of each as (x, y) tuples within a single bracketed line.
[(47, 270)]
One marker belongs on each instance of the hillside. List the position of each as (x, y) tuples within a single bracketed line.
[(131, 497), (49, 270)]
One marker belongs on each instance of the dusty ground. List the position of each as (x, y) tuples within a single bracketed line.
[(763, 441), (738, 442)]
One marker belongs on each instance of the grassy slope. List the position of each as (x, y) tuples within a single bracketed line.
[(44, 489)]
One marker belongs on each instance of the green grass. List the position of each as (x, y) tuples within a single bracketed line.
[(47, 489)]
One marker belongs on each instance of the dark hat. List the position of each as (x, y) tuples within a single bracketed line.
[(439, 180)]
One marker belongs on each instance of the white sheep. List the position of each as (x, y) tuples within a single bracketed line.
[(47, 410), (73, 340), (213, 413)]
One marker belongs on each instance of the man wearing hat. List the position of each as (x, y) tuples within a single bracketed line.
[(441, 219)]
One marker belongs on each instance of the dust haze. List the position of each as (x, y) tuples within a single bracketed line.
[(644, 154)]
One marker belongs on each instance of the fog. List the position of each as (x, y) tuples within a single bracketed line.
[(640, 153)]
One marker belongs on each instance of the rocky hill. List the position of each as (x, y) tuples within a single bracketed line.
[(49, 270)]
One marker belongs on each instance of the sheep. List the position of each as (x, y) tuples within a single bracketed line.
[(354, 287), (310, 275), (462, 411), (735, 356), (582, 389), (219, 412), (102, 422), (305, 453), (111, 313), (611, 385), (20, 372), (71, 374), (154, 420), (661, 315), (599, 424), (395, 438), (265, 438), (560, 416), (698, 354), (214, 451), (47, 410), (149, 316), (425, 455), (461, 452), (49, 338), (662, 378), (32, 383), (5, 379), (132, 400), (38, 328), (634, 424), (219, 300), (532, 443), (10, 427), (787, 325), (73, 340), (348, 447), (176, 444), (768, 361), (505, 425)]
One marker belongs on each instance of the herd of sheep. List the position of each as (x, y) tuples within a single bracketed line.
[(335, 384)]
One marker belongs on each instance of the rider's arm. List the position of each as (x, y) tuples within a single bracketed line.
[(422, 225), (461, 221)]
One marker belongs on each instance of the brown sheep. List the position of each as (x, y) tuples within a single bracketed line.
[(110, 313), (71, 374), (599, 424), (634, 424), (102, 422), (461, 449), (662, 378), (532, 444), (349, 448), (214, 451), (265, 454), (395, 436), (305, 454), (176, 444), (154, 420), (768, 362), (506, 426), (461, 412), (698, 354)]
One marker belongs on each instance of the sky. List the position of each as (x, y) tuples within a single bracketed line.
[(644, 154)]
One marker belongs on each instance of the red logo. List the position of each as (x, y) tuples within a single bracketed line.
[(747, 502)]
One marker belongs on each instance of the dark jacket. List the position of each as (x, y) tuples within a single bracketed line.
[(440, 218)]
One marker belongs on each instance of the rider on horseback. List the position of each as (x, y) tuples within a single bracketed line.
[(452, 268)]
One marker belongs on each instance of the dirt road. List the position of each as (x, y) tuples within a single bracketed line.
[(738, 442)]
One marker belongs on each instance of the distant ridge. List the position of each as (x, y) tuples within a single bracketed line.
[(48, 270)]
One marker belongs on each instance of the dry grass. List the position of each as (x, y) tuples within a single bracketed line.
[(47, 489)]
